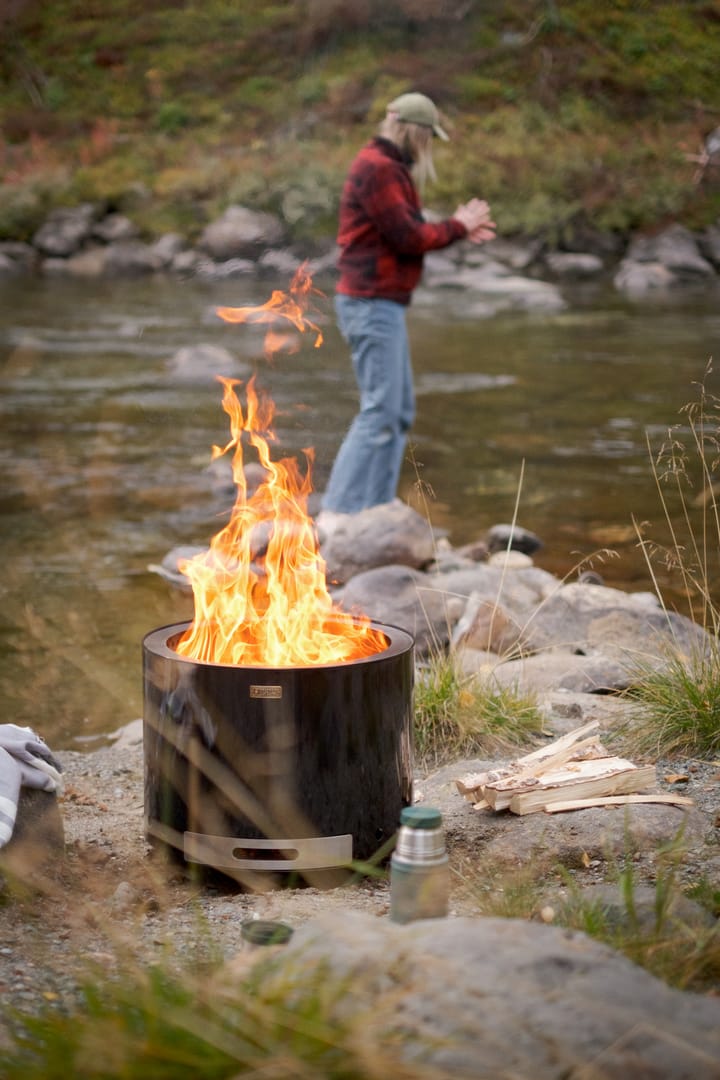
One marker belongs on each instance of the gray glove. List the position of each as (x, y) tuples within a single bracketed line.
[(25, 761)]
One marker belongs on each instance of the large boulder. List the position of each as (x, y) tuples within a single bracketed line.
[(65, 230), (401, 596), (676, 248), (381, 535), (501, 997), (242, 233)]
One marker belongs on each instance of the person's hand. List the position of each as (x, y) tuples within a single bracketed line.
[(475, 216)]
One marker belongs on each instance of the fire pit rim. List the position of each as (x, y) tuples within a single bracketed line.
[(157, 640)]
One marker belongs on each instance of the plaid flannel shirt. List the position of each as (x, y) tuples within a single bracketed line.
[(382, 234)]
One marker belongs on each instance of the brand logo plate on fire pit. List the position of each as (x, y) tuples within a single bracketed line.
[(266, 691)]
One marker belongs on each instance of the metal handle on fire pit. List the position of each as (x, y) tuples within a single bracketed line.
[(245, 853)]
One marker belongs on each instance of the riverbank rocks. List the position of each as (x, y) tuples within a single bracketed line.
[(506, 274), (241, 232), (658, 262), (502, 997)]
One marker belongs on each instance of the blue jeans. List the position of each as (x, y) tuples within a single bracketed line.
[(367, 468)]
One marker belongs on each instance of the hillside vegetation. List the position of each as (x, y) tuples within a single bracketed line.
[(565, 114)]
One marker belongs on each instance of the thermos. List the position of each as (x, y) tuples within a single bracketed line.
[(419, 873)]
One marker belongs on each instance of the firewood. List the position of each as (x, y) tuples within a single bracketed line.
[(618, 800), (623, 778)]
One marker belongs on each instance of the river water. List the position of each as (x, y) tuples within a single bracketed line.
[(104, 447)]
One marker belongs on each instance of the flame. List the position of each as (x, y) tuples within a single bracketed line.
[(260, 593)]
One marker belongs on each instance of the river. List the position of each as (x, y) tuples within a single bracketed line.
[(104, 449)]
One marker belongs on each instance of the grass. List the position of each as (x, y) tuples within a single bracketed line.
[(561, 114), (682, 951), (161, 1026), (678, 701), (457, 716)]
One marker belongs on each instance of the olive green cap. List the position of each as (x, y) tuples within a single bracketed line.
[(418, 109), (421, 817)]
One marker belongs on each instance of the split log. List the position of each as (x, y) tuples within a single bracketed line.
[(617, 800), (620, 777)]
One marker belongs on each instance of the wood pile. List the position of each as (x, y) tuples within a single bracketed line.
[(572, 773)]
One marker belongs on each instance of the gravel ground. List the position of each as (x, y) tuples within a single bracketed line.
[(105, 901)]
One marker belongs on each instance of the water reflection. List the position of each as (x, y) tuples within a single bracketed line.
[(104, 453)]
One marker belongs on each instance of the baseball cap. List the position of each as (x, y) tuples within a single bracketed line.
[(418, 109)]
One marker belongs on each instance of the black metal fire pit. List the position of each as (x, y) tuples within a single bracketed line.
[(256, 770)]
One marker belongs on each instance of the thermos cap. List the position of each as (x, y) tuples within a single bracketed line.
[(420, 817), (263, 932)]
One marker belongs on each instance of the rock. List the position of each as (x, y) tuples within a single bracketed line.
[(204, 361), (169, 568), (500, 997), (9, 267), (560, 669), (571, 265), (168, 247), (675, 248), (515, 254), (17, 257), (187, 262), (229, 268), (709, 245), (36, 849), (281, 262), (510, 291), (402, 596), (513, 538), (241, 232), (381, 535), (65, 230), (89, 263), (115, 227), (640, 278), (131, 258), (681, 914)]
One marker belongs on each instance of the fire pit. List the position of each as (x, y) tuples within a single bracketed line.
[(252, 769), (277, 726)]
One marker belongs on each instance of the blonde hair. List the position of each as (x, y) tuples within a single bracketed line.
[(415, 142)]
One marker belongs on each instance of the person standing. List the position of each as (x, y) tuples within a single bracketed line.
[(382, 238)]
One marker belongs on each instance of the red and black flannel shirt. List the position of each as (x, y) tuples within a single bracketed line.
[(382, 235)]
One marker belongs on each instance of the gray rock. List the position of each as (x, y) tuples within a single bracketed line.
[(279, 262), (9, 267), (680, 915), (401, 596), (556, 669), (115, 227), (709, 244), (36, 849), (570, 265), (675, 248), (639, 278), (89, 263), (511, 290), (516, 255), (501, 997), (187, 262), (228, 268), (241, 232), (131, 258), (381, 535), (512, 537), (168, 247), (204, 361), (65, 230), (17, 256)]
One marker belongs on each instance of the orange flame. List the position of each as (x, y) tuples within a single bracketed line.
[(260, 593)]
